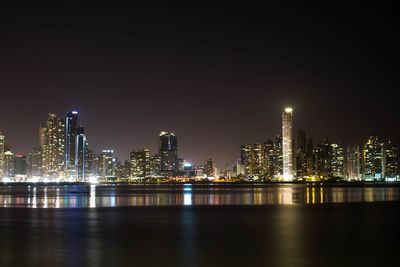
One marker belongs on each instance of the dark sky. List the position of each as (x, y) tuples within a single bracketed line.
[(218, 76)]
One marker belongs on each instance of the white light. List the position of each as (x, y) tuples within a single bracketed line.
[(93, 180), (288, 110)]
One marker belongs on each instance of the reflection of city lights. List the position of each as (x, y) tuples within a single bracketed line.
[(92, 197), (187, 199)]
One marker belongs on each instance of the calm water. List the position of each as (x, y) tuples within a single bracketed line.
[(199, 226), (82, 196)]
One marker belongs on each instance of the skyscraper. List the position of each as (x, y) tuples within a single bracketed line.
[(52, 145), (168, 151), (209, 168), (278, 158), (71, 123), (2, 145), (155, 165), (322, 157), (301, 155), (81, 154), (258, 159), (391, 162), (353, 166), (35, 162), (287, 145), (373, 159), (9, 168), (140, 163), (269, 158), (246, 157), (337, 163), (107, 164), (20, 165)]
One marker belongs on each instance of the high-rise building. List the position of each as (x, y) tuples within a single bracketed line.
[(2, 156), (258, 161), (278, 158), (353, 166), (155, 165), (35, 162), (246, 158), (269, 156), (20, 165), (52, 145), (107, 165), (337, 164), (287, 145), (90, 163), (140, 165), (71, 123), (322, 160), (209, 168), (168, 151), (9, 168), (81, 154), (310, 158), (391, 162), (373, 159), (301, 154)]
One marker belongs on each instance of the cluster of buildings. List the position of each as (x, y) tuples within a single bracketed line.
[(63, 155), (286, 158)]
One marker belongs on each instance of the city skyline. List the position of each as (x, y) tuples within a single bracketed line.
[(154, 145), (64, 154)]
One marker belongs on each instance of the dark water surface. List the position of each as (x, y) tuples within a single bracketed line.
[(349, 233)]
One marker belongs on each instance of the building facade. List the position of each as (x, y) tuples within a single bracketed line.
[(287, 144)]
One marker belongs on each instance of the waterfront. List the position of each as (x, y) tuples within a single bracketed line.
[(199, 225), (92, 196)]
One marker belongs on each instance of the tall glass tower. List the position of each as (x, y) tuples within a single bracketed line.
[(287, 146), (168, 150), (71, 122), (81, 154)]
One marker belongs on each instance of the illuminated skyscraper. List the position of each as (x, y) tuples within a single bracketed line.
[(287, 146), (140, 163), (278, 158), (168, 151), (322, 157), (353, 166), (269, 158), (391, 162), (258, 159), (337, 161), (2, 145), (52, 145), (106, 165), (81, 154), (246, 157), (9, 170), (373, 159), (71, 123), (209, 168), (155, 165)]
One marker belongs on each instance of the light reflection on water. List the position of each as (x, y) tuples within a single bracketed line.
[(75, 196)]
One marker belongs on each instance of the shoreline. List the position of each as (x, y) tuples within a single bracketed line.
[(241, 183)]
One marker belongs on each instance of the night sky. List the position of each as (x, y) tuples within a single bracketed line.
[(218, 76)]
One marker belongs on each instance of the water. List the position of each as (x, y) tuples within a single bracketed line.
[(273, 225), (84, 196)]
